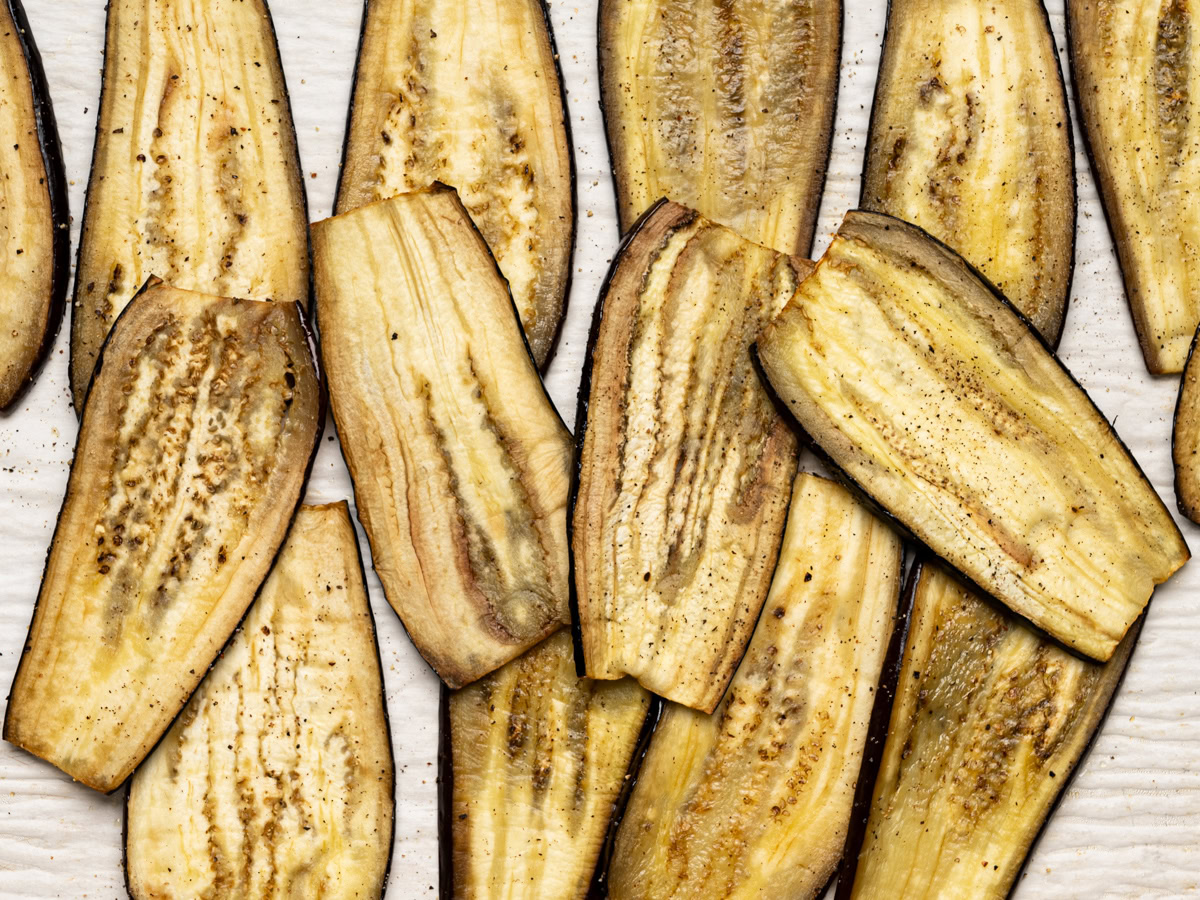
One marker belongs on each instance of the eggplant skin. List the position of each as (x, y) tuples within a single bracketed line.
[(294, 711), (195, 173), (1185, 438), (935, 396), (971, 139), (196, 440)]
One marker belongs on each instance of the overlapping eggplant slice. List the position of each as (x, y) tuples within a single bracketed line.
[(971, 139), (755, 800), (685, 464), (469, 94), (1185, 439), (195, 175), (196, 440), (277, 779), (461, 464), (928, 390)]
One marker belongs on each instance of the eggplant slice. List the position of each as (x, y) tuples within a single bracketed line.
[(1185, 438), (725, 107), (277, 780), (537, 760), (195, 176), (754, 800), (197, 436), (931, 393), (989, 722), (685, 464), (461, 465), (468, 94), (971, 139)]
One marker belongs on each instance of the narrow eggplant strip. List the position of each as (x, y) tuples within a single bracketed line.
[(277, 779), (1185, 438)]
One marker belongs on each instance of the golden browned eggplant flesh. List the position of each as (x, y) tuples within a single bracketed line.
[(277, 779), (927, 390), (1185, 439), (460, 462), (754, 800), (971, 139), (685, 466), (195, 177), (194, 448), (467, 93)]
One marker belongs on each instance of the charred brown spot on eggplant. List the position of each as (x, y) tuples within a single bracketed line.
[(929, 391), (1185, 439), (468, 94), (277, 779), (194, 448)]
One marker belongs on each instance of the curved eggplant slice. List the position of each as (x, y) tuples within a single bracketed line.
[(971, 139), (725, 107), (460, 462), (989, 722), (933, 395), (197, 435), (469, 94), (277, 779), (195, 175), (685, 465), (754, 800), (1185, 438)]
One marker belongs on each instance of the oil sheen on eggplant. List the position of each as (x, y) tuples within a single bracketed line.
[(1185, 439), (277, 779), (988, 724), (971, 139), (467, 93), (195, 176), (538, 759), (931, 393), (725, 107), (192, 455), (460, 462), (754, 800), (686, 465)]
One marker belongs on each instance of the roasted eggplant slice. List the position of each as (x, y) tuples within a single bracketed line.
[(195, 176), (195, 444), (971, 139), (536, 760), (461, 465), (277, 780), (468, 94), (685, 465), (989, 722), (1185, 439), (726, 107), (931, 393), (754, 800)]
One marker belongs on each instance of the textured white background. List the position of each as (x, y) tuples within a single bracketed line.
[(1130, 824)]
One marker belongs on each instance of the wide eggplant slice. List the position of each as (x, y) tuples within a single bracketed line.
[(469, 94), (725, 107), (461, 464), (197, 436), (988, 723), (754, 800), (195, 175), (929, 391), (277, 779), (1185, 438), (685, 464), (971, 139), (535, 763)]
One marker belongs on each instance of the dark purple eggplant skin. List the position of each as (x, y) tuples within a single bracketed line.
[(1179, 504)]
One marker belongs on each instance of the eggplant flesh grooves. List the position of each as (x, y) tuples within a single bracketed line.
[(460, 462), (971, 140), (538, 758), (724, 107), (989, 722), (195, 444), (468, 94), (931, 393), (277, 779), (195, 175), (680, 505), (1185, 439), (755, 800)]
